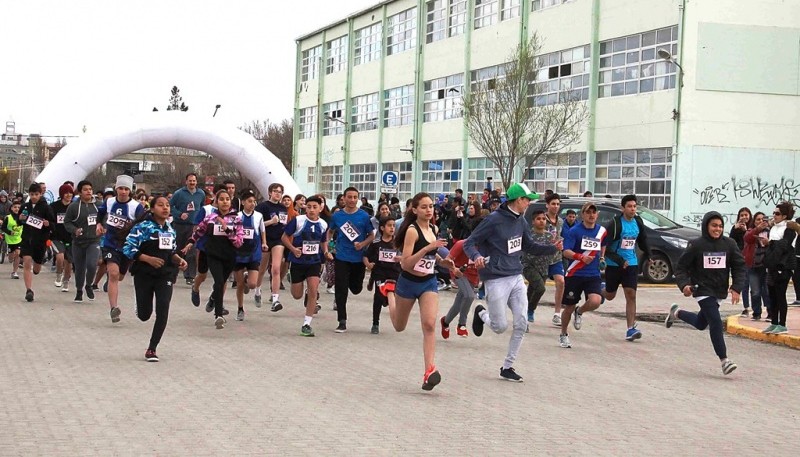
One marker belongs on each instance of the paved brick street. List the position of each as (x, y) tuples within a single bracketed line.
[(74, 384)]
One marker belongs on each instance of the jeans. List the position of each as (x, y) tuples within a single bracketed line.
[(746, 290), (757, 281), (147, 288), (462, 302), (708, 317), (84, 259)]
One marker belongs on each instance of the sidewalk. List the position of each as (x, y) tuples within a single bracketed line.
[(744, 326)]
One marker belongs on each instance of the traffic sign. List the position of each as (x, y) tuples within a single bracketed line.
[(390, 178), (388, 189)]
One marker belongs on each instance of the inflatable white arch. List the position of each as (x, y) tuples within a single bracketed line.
[(164, 129)]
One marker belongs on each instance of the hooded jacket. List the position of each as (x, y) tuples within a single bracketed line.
[(497, 238), (708, 263)]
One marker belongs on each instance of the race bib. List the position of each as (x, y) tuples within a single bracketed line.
[(116, 221), (590, 244), (165, 241), (247, 233), (310, 247), (425, 265), (514, 244), (387, 255), (219, 231), (190, 207), (35, 222), (282, 218), (91, 219), (349, 231), (60, 218), (627, 243), (714, 260)]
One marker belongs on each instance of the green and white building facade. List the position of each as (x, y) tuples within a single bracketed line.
[(380, 91)]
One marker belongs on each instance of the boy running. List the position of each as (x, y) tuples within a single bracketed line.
[(38, 221), (248, 256), (62, 239)]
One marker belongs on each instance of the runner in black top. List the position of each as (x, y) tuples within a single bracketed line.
[(383, 260)]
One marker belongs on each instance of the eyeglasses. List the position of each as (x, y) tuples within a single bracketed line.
[(777, 213)]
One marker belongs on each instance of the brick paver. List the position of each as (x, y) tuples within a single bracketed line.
[(74, 384)]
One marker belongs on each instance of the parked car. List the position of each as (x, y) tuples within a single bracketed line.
[(667, 238)]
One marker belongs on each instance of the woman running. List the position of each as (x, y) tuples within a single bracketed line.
[(417, 241), (13, 230), (151, 245)]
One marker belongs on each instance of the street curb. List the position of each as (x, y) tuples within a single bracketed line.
[(734, 328), (639, 286)]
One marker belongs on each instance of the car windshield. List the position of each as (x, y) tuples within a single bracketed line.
[(654, 220)]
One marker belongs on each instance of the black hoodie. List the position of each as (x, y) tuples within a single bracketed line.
[(702, 264)]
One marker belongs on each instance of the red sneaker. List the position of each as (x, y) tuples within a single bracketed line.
[(431, 379), (150, 356), (445, 329), (462, 331), (387, 286)]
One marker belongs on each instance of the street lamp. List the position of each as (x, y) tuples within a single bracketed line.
[(215, 110), (666, 55)]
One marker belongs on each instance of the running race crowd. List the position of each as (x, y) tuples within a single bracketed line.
[(481, 245)]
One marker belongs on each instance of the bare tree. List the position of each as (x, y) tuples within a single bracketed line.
[(275, 137), (176, 101), (512, 124)]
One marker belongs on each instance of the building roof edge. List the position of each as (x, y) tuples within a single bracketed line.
[(342, 21)]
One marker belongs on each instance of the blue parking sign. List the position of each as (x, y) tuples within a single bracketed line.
[(389, 178)]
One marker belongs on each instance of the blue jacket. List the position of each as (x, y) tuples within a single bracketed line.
[(184, 201), (502, 237)]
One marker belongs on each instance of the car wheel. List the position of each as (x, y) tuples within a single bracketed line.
[(658, 269)]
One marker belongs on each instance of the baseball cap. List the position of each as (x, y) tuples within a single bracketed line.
[(588, 205), (518, 190)]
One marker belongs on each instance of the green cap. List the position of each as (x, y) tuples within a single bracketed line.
[(520, 190)]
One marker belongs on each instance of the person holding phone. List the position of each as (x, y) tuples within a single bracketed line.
[(744, 222)]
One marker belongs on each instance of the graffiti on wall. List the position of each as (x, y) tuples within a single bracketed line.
[(754, 191)]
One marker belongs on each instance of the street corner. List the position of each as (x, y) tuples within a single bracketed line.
[(736, 325)]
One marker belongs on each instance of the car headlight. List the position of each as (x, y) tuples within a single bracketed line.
[(679, 243)]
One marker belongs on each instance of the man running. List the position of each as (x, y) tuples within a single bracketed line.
[(61, 238), (555, 270), (81, 221), (38, 221), (496, 247), (625, 233), (183, 205), (275, 218)]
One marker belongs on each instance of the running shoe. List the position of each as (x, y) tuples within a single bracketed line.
[(330, 290), (557, 319), (477, 322), (728, 367), (387, 286), (462, 331), (755, 317), (244, 283), (195, 297), (225, 312), (105, 286), (95, 287), (257, 298), (431, 379), (210, 304), (509, 374), (530, 316), (90, 293), (317, 308), (59, 280), (563, 341), (65, 287), (769, 329), (342, 328), (240, 314), (276, 306), (29, 295), (602, 289), (671, 315), (745, 312), (633, 333), (445, 328), (375, 329), (14, 276), (78, 297), (115, 312), (577, 319), (150, 356), (189, 281), (481, 292), (442, 286), (780, 330), (306, 330), (219, 322)]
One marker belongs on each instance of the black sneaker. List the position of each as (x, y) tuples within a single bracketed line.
[(225, 311), (29, 295), (78, 297), (210, 305), (375, 329), (189, 281), (94, 287), (306, 330), (342, 328), (276, 306), (105, 286), (240, 314), (510, 375), (89, 293), (115, 312), (150, 355), (477, 322)]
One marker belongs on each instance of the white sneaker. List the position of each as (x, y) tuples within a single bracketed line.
[(59, 280), (577, 319), (728, 367), (65, 288), (330, 290), (557, 320), (563, 341)]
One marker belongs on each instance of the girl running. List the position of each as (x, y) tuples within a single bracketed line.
[(13, 230), (151, 245), (417, 240), (383, 260)]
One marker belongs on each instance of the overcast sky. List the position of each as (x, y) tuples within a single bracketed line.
[(67, 64)]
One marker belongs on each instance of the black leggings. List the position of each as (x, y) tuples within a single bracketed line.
[(147, 287), (777, 294), (378, 302), (349, 275), (220, 270), (708, 317)]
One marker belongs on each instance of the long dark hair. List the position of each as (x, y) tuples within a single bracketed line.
[(408, 219), (745, 209), (146, 215)]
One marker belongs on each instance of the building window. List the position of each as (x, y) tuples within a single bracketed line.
[(330, 183), (542, 4), (563, 74), (564, 173), (485, 13), (364, 177), (364, 115), (311, 63), (311, 172), (478, 170), (404, 182), (333, 122), (644, 172), (441, 176), (443, 98), (445, 18), (509, 9), (486, 79), (336, 52), (308, 122), (630, 65), (367, 44), (401, 31), (398, 106), (457, 20)]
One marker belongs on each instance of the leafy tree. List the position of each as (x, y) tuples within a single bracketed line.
[(176, 101)]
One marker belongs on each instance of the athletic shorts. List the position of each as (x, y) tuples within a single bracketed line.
[(13, 247), (202, 262), (409, 289), (63, 248), (574, 286), (555, 269), (34, 252), (114, 256), (628, 277), (246, 266), (272, 243), (300, 272)]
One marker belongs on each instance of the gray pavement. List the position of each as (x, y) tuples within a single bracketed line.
[(73, 383)]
